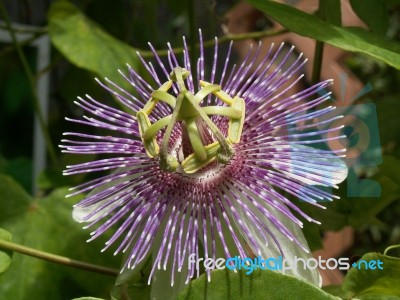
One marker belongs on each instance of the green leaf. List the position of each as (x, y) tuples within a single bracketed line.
[(335, 290), (133, 282), (374, 284), (138, 291), (374, 13), (261, 284), (13, 198), (360, 211), (387, 110), (5, 256), (350, 39), (88, 298), (85, 43), (46, 224), (20, 169)]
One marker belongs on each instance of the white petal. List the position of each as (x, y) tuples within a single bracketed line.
[(290, 249), (330, 168), (161, 280), (79, 214)]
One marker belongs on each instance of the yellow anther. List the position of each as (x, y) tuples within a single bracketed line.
[(192, 163), (220, 94), (148, 108), (166, 86), (163, 96), (155, 128), (236, 125), (151, 146), (206, 90), (223, 111)]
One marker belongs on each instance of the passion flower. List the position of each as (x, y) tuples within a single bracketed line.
[(205, 163)]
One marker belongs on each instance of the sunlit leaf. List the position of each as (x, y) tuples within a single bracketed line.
[(46, 224), (138, 291), (350, 39), (259, 285), (88, 298), (373, 283), (5, 256), (86, 44)]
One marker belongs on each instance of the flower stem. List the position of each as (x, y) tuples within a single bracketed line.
[(61, 260), (32, 82)]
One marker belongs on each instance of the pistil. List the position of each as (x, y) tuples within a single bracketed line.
[(186, 108)]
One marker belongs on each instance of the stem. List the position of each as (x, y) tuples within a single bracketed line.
[(56, 60), (61, 260), (32, 82), (223, 39), (10, 48), (318, 52), (390, 248), (317, 66)]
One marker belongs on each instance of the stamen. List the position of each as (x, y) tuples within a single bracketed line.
[(186, 108)]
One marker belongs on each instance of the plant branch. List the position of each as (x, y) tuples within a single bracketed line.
[(56, 60), (38, 30), (32, 82), (11, 48), (61, 260)]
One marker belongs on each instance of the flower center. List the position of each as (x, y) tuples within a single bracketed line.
[(195, 118)]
